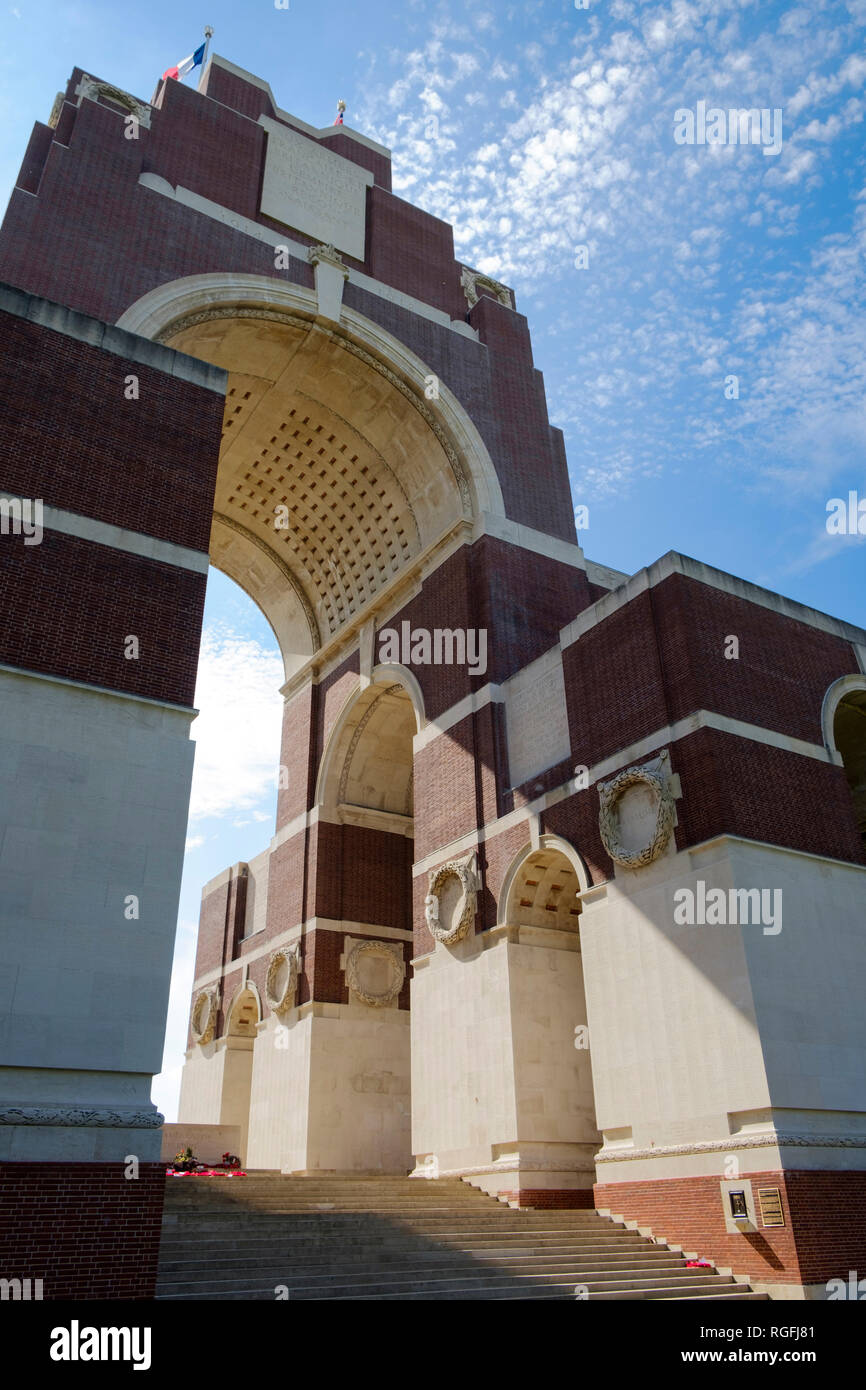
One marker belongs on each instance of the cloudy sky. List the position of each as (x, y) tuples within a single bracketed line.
[(697, 309)]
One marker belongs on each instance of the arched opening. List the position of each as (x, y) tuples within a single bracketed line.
[(244, 1014), (849, 739), (336, 473), (365, 804), (544, 891), (555, 1101), (338, 486)]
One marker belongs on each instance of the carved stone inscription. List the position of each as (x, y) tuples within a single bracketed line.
[(314, 190)]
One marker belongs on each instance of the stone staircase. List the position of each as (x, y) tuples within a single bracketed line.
[(401, 1238)]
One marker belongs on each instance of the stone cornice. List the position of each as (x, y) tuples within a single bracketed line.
[(734, 1142), (92, 1117)]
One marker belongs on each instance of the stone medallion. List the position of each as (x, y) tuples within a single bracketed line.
[(375, 971), (281, 981), (204, 1015), (449, 908), (636, 816)]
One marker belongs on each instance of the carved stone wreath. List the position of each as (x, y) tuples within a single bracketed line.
[(608, 820), (282, 980), (471, 280), (463, 916), (384, 950), (204, 1015), (90, 88)]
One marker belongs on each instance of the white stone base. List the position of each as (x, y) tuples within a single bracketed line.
[(500, 1093), (328, 1091)]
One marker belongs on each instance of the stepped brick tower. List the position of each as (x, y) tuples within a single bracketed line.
[(560, 898)]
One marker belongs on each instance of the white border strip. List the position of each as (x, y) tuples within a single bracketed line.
[(87, 528), (674, 563)]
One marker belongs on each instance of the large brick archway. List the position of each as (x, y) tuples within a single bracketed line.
[(264, 347)]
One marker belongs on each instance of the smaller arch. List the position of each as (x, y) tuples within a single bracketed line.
[(542, 886), (844, 723), (389, 672), (244, 1012), (381, 678), (835, 694)]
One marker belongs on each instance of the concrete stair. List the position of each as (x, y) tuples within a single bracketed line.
[(403, 1238)]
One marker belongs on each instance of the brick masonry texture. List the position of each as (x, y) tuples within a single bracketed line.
[(661, 656), (366, 876), (552, 1198), (297, 757), (210, 952), (502, 416), (733, 785), (90, 1232), (824, 1235), (521, 599), (71, 438), (75, 603), (289, 897), (536, 487), (445, 800)]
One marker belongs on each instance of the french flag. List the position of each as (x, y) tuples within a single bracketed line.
[(186, 65)]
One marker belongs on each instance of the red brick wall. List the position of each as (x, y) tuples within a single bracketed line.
[(364, 876), (413, 251), (660, 657), (297, 752), (83, 1228), (536, 489), (75, 602), (613, 688), (149, 465), (823, 1237), (781, 676), (288, 891), (552, 1198), (763, 793), (331, 695), (445, 804)]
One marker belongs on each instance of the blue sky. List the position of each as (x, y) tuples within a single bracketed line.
[(539, 129)]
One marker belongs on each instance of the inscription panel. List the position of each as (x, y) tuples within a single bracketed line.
[(536, 717), (314, 190)]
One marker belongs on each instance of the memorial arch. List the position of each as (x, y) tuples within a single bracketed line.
[(248, 328)]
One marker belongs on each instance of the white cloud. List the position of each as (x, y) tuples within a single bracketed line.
[(237, 733)]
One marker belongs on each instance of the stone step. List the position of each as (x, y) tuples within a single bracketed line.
[(310, 1276), (231, 1258), (374, 1238), (338, 1285), (738, 1292), (507, 1220)]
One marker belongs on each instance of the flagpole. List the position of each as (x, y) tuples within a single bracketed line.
[(208, 35)]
